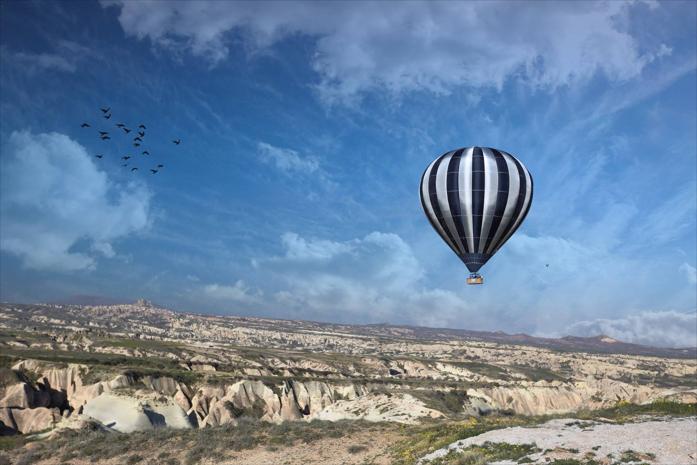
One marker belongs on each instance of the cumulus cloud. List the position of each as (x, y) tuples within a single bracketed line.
[(660, 328), (54, 198), (420, 45), (375, 278), (287, 160), (236, 293), (690, 272)]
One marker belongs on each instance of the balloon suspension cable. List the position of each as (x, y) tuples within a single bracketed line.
[(475, 278)]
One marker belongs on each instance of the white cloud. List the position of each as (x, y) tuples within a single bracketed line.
[(420, 45), (690, 272), (376, 278), (287, 160), (237, 293), (54, 197), (661, 328), (298, 248)]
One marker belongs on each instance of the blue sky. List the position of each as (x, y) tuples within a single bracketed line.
[(305, 127)]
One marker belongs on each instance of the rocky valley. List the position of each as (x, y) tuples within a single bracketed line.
[(371, 394)]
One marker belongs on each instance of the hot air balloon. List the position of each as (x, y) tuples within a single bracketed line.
[(475, 198)]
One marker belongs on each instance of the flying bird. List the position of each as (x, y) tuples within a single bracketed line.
[(103, 133), (142, 126), (125, 165), (120, 125), (145, 152), (126, 130), (107, 116), (141, 133), (547, 265), (125, 158), (105, 137), (153, 171), (136, 144), (138, 139), (105, 110), (99, 156), (134, 169), (160, 166), (177, 141), (84, 125)]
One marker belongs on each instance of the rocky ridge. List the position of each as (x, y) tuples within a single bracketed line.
[(133, 367)]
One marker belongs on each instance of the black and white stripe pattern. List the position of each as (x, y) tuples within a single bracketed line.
[(475, 199)]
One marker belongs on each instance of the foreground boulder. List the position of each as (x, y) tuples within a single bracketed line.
[(127, 413)]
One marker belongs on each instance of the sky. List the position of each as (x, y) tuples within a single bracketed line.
[(305, 128)]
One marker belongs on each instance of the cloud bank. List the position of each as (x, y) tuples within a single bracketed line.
[(54, 198), (660, 328), (420, 45)]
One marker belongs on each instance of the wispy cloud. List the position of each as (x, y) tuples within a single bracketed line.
[(65, 58), (690, 272), (420, 45), (287, 160)]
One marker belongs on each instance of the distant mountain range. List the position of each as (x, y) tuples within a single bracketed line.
[(594, 344)]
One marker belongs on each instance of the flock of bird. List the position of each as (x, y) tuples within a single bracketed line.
[(137, 141)]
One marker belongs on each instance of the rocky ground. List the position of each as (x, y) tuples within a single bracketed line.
[(662, 441), (129, 370)]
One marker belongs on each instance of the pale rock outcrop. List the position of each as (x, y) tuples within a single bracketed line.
[(400, 408), (35, 419), (20, 395), (182, 400), (311, 396), (126, 413), (7, 421)]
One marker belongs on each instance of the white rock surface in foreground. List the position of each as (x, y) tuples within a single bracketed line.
[(127, 414), (672, 441)]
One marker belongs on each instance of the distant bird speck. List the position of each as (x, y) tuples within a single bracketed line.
[(120, 125), (141, 133), (105, 137), (103, 133), (126, 130), (85, 125), (145, 152), (153, 171), (107, 116), (125, 157), (138, 139), (160, 166), (105, 110), (142, 126), (99, 156), (134, 169), (177, 141)]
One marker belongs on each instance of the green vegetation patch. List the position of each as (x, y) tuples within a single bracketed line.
[(624, 411), (423, 439), (487, 453), (448, 402), (538, 373)]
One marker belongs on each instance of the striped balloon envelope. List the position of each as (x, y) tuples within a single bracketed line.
[(475, 199)]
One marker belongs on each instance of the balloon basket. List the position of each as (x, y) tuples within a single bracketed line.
[(475, 278)]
